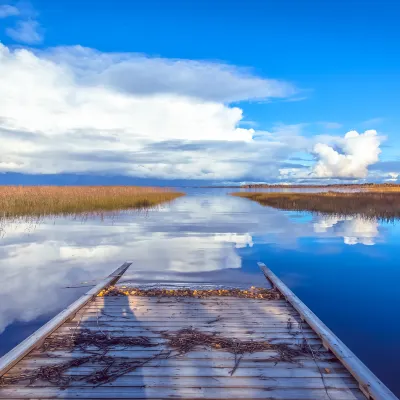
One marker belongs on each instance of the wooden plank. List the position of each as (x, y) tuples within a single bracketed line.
[(281, 370), (221, 301), (156, 337), (183, 317), (172, 324), (188, 300), (137, 327), (204, 321), (226, 382), (197, 303), (182, 363), (176, 309), (191, 393), (212, 322), (18, 352), (141, 353), (369, 383)]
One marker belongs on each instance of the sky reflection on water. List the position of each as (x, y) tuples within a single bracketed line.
[(344, 269)]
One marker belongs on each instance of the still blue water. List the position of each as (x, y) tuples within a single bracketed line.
[(346, 270)]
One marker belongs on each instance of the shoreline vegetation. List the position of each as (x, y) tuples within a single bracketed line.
[(349, 186), (40, 201), (369, 186), (369, 204)]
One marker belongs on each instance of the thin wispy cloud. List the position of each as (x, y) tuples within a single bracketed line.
[(373, 122), (26, 28), (7, 10), (28, 32), (331, 125)]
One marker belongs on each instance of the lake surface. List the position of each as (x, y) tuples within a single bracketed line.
[(346, 270)]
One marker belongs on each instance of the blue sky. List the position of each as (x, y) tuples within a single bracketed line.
[(302, 73)]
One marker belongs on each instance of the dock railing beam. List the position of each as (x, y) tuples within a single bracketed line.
[(370, 385), (33, 341)]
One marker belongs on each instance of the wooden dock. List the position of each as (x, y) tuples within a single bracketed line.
[(302, 358)]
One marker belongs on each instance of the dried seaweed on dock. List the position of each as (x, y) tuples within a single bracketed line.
[(87, 338), (51, 373), (187, 339), (252, 293), (108, 370)]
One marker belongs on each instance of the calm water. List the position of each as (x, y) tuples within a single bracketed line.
[(345, 269)]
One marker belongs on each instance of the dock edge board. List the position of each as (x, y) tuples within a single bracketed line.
[(372, 387), (37, 338)]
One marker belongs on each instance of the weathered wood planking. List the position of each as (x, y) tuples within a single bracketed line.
[(201, 373), (178, 391)]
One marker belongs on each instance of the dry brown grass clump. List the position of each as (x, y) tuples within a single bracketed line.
[(17, 201), (252, 293), (368, 204)]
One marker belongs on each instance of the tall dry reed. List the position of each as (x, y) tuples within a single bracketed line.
[(369, 204), (379, 187), (16, 201)]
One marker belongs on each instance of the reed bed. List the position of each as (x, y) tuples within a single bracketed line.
[(379, 187), (368, 204), (39, 201)]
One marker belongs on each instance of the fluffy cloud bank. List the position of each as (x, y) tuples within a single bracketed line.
[(77, 110), (358, 152)]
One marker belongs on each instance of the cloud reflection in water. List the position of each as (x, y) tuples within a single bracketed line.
[(196, 238)]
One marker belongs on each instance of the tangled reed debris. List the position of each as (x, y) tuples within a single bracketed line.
[(187, 339), (108, 370), (252, 293), (87, 338)]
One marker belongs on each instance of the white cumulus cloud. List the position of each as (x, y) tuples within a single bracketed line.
[(357, 152), (78, 110)]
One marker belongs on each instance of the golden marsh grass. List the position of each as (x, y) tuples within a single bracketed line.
[(369, 204), (375, 187), (38, 201)]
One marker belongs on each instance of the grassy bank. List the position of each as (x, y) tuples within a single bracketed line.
[(370, 204), (379, 187), (16, 201)]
